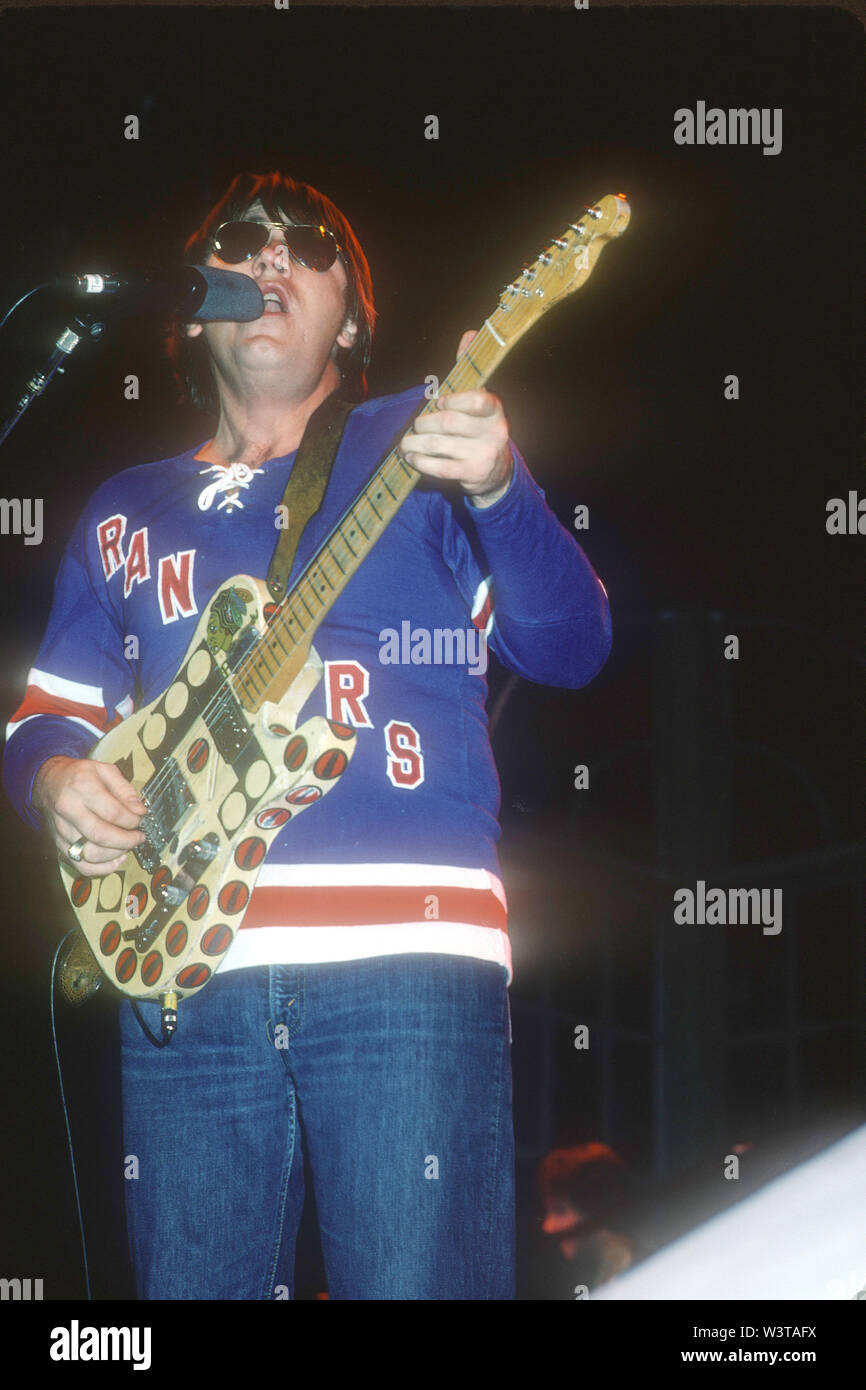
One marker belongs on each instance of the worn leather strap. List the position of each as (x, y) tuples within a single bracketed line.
[(78, 973), (308, 482)]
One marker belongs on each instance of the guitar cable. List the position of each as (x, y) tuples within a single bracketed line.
[(168, 1019), (169, 1025), (51, 992)]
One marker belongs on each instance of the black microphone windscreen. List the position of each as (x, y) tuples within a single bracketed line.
[(229, 295)]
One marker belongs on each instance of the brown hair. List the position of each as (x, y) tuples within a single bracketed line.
[(284, 197)]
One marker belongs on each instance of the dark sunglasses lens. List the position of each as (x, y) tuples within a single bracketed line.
[(238, 241), (313, 246)]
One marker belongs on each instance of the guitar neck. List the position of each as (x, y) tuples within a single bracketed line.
[(262, 674), (274, 661)]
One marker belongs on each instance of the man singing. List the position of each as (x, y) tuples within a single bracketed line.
[(360, 1015)]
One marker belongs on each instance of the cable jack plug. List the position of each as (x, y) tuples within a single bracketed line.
[(168, 1001)]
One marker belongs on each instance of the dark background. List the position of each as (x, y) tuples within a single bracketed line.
[(707, 517)]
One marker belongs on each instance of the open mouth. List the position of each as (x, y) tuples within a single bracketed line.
[(276, 301)]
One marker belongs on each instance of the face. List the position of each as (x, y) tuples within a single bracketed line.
[(290, 347), (563, 1223)]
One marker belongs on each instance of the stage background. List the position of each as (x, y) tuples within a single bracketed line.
[(706, 518)]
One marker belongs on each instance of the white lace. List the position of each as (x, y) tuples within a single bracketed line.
[(230, 480)]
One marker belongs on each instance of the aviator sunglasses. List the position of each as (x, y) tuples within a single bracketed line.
[(311, 246)]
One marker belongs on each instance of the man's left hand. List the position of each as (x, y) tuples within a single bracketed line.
[(465, 440)]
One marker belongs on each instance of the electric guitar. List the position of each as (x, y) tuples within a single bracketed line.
[(219, 758)]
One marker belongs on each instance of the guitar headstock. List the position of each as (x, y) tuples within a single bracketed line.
[(560, 269), (563, 266)]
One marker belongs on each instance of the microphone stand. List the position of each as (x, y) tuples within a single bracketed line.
[(82, 326)]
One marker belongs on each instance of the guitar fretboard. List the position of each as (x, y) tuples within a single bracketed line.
[(330, 569)]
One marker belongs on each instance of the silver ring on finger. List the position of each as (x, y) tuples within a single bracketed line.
[(76, 850)]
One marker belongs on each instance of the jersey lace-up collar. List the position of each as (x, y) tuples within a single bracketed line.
[(230, 479)]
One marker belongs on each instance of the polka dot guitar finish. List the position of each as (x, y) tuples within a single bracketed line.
[(166, 923)]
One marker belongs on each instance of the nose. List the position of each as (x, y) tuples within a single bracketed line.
[(276, 253)]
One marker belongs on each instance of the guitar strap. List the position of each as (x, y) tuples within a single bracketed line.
[(307, 484)]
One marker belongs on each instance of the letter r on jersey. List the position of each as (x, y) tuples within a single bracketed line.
[(109, 534), (347, 684)]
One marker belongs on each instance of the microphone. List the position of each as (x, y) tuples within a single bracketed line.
[(193, 291)]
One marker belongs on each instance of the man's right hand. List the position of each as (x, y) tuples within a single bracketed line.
[(80, 797)]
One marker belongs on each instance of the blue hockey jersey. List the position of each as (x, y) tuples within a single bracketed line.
[(401, 856)]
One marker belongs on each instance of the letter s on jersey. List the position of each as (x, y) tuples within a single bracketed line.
[(405, 764)]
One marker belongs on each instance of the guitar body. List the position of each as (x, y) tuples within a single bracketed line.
[(220, 782)]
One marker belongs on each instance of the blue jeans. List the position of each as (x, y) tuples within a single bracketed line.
[(397, 1073)]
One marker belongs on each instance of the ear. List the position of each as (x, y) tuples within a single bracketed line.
[(348, 333), (192, 330)]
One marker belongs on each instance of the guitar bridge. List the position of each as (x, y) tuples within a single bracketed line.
[(168, 798), (146, 854)]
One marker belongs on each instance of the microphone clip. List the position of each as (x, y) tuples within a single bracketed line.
[(82, 326)]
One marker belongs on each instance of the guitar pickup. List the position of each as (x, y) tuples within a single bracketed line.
[(173, 894), (204, 850)]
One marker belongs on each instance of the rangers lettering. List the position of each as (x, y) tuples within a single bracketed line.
[(175, 586), (137, 561), (405, 765), (347, 684), (109, 534)]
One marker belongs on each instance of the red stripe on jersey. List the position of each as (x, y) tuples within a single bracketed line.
[(38, 701), (372, 905), (483, 618), (482, 611)]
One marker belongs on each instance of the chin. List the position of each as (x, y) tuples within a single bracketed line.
[(265, 346)]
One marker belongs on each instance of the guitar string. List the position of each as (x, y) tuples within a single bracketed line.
[(226, 696), (244, 671), (223, 699)]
